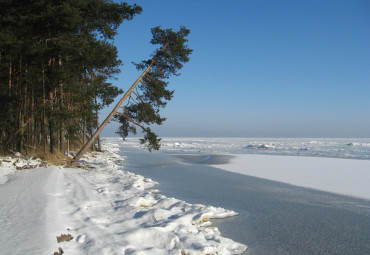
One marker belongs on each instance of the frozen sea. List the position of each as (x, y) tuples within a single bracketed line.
[(274, 217), (350, 148)]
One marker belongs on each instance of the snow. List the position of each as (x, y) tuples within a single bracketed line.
[(351, 148), (105, 209), (260, 147), (342, 176), (109, 210), (8, 165)]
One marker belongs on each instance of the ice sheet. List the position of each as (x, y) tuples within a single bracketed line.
[(338, 165), (342, 176), (274, 218), (354, 148)]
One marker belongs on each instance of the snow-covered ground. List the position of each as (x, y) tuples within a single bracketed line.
[(108, 210), (105, 209)]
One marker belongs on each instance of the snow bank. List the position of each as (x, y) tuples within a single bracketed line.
[(342, 176), (107, 211), (8, 165)]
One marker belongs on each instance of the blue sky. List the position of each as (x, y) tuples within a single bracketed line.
[(266, 68)]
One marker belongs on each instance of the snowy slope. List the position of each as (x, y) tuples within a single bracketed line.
[(105, 209)]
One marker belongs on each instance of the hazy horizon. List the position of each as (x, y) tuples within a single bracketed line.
[(110, 129)]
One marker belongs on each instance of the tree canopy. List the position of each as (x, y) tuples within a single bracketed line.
[(56, 59), (152, 94), (143, 102)]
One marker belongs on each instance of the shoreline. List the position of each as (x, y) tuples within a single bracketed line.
[(106, 210), (274, 218)]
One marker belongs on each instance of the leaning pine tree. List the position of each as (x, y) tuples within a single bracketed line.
[(149, 93)]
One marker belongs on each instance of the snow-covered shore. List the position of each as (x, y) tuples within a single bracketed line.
[(106, 210)]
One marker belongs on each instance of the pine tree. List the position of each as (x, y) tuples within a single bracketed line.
[(153, 93), (144, 101), (55, 60)]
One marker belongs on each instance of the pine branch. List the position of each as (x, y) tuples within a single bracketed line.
[(143, 83), (138, 97), (130, 119), (133, 99)]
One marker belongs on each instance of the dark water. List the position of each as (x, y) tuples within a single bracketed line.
[(274, 218)]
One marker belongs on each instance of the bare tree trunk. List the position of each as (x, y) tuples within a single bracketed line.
[(61, 140), (10, 78), (110, 116), (43, 117), (83, 132), (115, 110), (97, 122), (61, 105), (53, 139), (20, 115), (32, 124), (52, 125)]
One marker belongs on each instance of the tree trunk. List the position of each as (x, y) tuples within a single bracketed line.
[(20, 106), (52, 124), (10, 78), (43, 115), (53, 139), (61, 140), (83, 132), (110, 116), (61, 105), (97, 122)]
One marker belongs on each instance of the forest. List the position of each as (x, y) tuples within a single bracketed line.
[(57, 62)]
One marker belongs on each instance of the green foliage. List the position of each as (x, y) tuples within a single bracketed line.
[(56, 58), (152, 94), (151, 140)]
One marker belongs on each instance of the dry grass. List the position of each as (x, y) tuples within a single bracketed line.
[(5, 153), (59, 252), (64, 238), (57, 158)]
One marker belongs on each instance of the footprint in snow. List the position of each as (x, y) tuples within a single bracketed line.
[(81, 239)]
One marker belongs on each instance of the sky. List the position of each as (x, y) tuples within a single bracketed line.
[(259, 68)]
